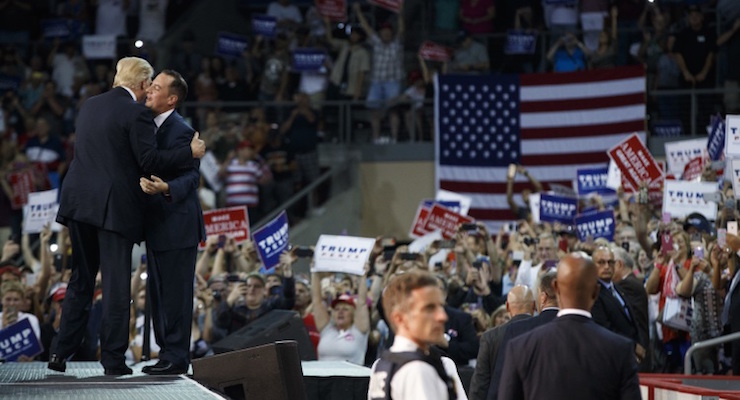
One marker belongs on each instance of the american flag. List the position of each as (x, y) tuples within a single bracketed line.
[(552, 124)]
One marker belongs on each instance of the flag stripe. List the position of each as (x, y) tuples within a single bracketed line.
[(586, 130), (575, 118), (603, 75), (565, 158), (583, 104), (490, 187)]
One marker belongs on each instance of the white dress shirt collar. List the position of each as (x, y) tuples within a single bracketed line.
[(574, 311), (159, 119)]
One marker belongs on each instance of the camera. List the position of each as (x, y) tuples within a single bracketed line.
[(408, 256), (469, 226), (529, 241), (303, 252)]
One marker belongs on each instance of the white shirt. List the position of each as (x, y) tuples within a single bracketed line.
[(159, 119), (527, 274), (416, 379), (341, 345), (110, 18)]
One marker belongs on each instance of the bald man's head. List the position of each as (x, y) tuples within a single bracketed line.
[(577, 283), (520, 300)]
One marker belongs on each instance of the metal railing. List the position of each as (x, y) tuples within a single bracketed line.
[(704, 344)]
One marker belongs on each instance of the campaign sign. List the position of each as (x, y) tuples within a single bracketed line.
[(346, 254), (732, 135), (557, 208), (231, 221), (55, 28), (434, 51), (444, 219), (520, 42), (635, 162), (308, 60), (679, 153), (391, 5), (446, 195), (335, 10), (19, 339), (272, 239), (593, 180), (99, 47), (41, 210), (264, 25), (417, 227), (668, 128), (683, 198), (614, 178), (9, 82), (420, 244), (451, 204), (21, 183), (209, 168), (693, 169), (735, 167), (716, 140), (230, 44), (596, 225)]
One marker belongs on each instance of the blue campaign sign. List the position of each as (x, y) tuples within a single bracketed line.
[(557, 208), (19, 339), (272, 239), (9, 82), (230, 44), (56, 28), (264, 25), (308, 60), (596, 225), (520, 42), (667, 128), (716, 140), (593, 180), (452, 205)]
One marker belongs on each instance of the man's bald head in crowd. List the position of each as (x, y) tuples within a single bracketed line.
[(577, 283), (520, 300)]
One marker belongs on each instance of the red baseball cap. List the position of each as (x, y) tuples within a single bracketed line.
[(344, 298)]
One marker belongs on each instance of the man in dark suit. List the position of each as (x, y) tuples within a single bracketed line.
[(611, 309), (571, 357), (547, 306), (636, 296), (520, 304), (102, 205), (173, 229)]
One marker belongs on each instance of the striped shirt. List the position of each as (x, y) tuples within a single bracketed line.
[(387, 60), (242, 188)]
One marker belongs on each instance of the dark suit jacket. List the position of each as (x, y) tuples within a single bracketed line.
[(636, 296), (464, 342), (515, 329), (175, 222), (609, 313), (570, 358), (114, 146), (490, 343)]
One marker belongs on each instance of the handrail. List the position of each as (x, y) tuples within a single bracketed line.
[(703, 344), (306, 191)]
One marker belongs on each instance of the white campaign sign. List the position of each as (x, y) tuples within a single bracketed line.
[(732, 136), (679, 153), (346, 254), (41, 209), (421, 244), (735, 173), (445, 195), (614, 177), (96, 47), (681, 198), (209, 168)]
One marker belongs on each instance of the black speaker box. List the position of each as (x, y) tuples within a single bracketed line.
[(274, 326), (271, 371)]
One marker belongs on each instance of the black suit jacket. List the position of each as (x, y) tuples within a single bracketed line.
[(114, 146), (570, 358), (463, 345), (490, 344), (175, 222), (515, 329), (609, 313), (636, 295)]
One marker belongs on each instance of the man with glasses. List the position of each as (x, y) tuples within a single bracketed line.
[(611, 309)]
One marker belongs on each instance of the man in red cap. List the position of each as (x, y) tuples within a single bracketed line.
[(243, 174)]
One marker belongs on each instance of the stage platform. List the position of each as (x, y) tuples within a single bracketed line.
[(85, 380)]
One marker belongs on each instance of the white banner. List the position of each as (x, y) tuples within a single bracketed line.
[(445, 195), (682, 198), (41, 209), (97, 47), (534, 207), (346, 254), (209, 168), (678, 154), (421, 244), (614, 177), (735, 171), (732, 136)]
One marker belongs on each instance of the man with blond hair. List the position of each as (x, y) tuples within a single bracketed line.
[(102, 205)]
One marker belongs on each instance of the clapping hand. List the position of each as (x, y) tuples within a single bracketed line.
[(153, 186)]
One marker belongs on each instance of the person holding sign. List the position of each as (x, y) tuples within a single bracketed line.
[(173, 229), (13, 295), (102, 206), (343, 334)]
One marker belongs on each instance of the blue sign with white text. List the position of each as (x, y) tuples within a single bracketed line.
[(452, 205), (272, 239), (309, 60), (230, 45), (19, 339), (716, 140), (596, 225), (264, 25), (557, 208), (520, 42), (668, 128), (593, 180)]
